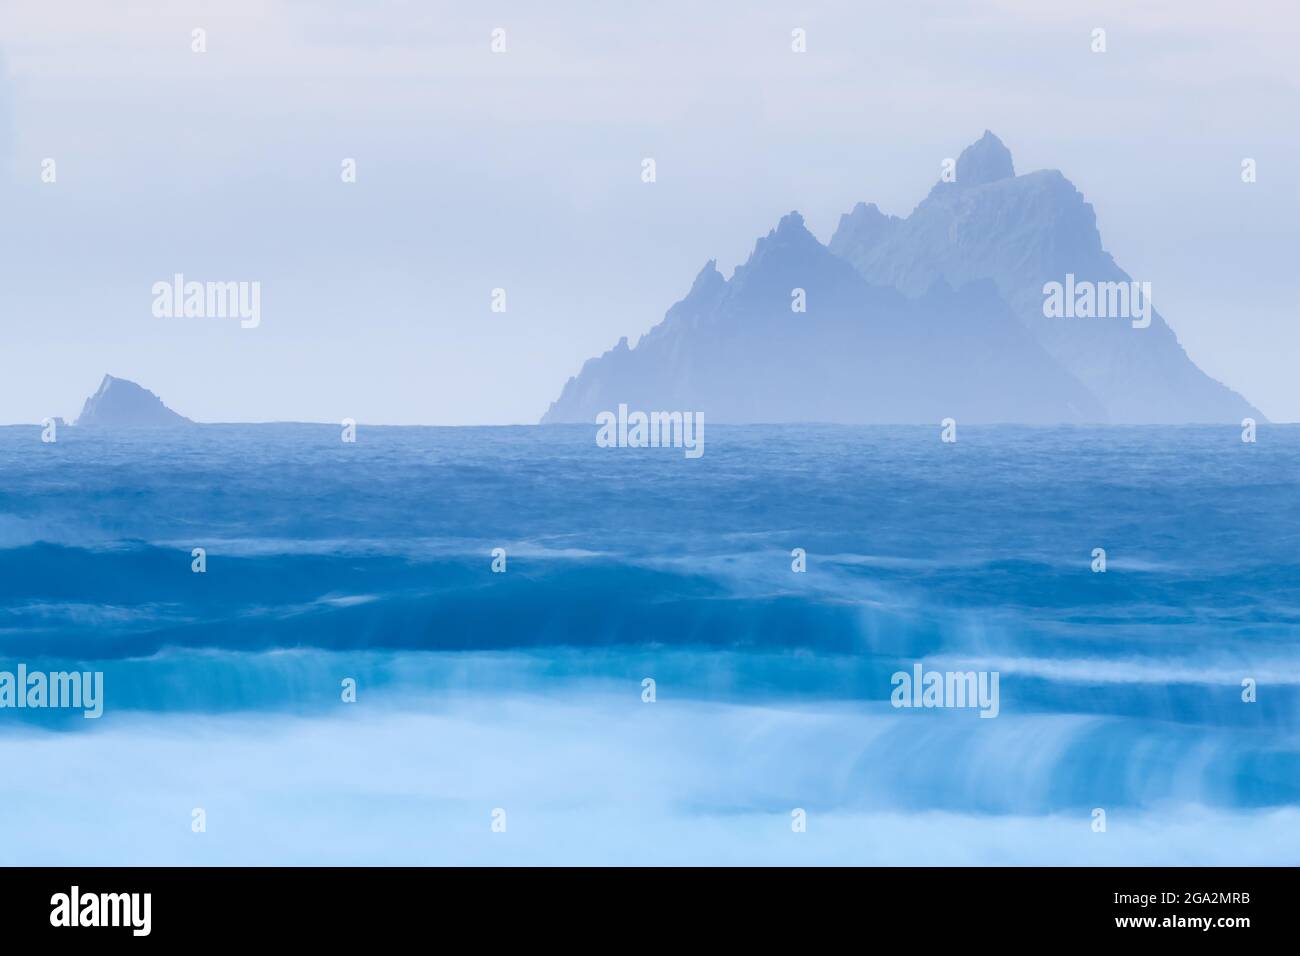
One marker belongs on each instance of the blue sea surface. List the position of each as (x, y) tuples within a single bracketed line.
[(522, 691)]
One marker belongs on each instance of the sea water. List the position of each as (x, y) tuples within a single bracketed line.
[(644, 677)]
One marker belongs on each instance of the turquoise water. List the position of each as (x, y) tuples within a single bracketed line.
[(522, 690)]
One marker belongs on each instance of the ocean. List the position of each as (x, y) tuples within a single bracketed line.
[(645, 678)]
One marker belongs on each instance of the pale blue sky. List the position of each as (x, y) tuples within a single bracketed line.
[(522, 171)]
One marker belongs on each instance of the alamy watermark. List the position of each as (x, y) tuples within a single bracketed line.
[(652, 430), (1098, 300), (922, 688), (79, 690), (75, 908), (179, 299)]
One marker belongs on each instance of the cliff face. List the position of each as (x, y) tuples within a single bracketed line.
[(737, 351), (1021, 232), (911, 320), (119, 403)]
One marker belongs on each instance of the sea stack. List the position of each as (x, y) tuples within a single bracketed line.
[(119, 403)]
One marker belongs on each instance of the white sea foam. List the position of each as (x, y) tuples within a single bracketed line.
[(586, 776), (1134, 670)]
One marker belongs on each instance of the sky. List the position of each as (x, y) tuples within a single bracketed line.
[(521, 171)]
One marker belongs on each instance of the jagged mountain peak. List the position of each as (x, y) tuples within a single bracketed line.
[(914, 319), (789, 239), (863, 226), (1023, 232), (708, 278), (984, 161)]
